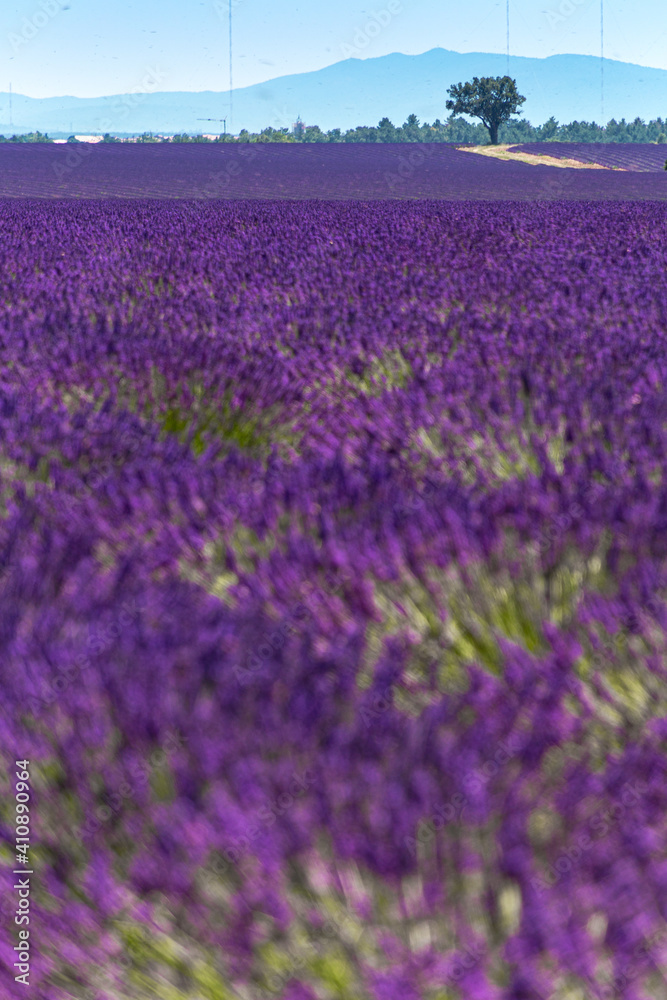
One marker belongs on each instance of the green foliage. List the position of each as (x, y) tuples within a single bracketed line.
[(313, 133), (548, 131), (491, 99), (152, 958), (210, 420), (328, 967), (276, 135), (28, 137), (456, 129), (460, 130), (381, 374)]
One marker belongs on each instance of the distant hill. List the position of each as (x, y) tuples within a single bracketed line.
[(359, 92)]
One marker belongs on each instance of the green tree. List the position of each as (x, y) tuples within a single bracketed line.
[(314, 133), (362, 133), (411, 129), (387, 132), (578, 131), (518, 131), (270, 134), (548, 131), (461, 131), (439, 132), (31, 137), (637, 130), (617, 131), (491, 99)]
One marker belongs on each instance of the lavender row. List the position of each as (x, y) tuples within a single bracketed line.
[(643, 157), (332, 596), (303, 172)]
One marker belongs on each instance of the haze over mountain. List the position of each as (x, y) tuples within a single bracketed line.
[(357, 92)]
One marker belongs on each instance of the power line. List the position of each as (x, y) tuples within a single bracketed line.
[(601, 62), (508, 37), (231, 115)]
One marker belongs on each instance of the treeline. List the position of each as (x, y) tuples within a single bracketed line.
[(454, 130), (457, 129), (28, 137)]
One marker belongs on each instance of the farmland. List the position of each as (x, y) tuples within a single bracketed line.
[(340, 172), (332, 593), (638, 157)]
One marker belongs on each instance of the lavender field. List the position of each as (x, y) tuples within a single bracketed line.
[(641, 157), (337, 171), (332, 596)]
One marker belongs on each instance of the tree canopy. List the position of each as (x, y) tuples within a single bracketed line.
[(492, 99)]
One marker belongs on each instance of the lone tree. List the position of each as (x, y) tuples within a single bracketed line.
[(493, 99)]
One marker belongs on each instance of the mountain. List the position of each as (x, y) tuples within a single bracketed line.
[(359, 92)]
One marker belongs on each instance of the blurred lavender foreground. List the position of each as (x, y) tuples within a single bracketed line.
[(333, 594)]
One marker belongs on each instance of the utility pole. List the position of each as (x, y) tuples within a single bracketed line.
[(11, 120)]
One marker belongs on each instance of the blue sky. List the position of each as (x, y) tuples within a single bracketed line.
[(89, 48)]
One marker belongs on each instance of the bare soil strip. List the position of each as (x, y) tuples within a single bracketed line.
[(536, 159)]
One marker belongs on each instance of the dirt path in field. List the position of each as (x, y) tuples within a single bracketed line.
[(503, 153)]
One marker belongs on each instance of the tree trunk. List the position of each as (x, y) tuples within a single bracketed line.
[(493, 133)]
